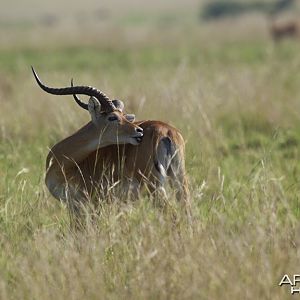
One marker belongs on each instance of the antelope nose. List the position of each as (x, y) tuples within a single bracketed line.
[(139, 130)]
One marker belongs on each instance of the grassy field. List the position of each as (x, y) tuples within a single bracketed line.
[(234, 95)]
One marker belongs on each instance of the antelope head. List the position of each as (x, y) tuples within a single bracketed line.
[(107, 115)]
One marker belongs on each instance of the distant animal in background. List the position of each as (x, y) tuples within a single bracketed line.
[(284, 29)]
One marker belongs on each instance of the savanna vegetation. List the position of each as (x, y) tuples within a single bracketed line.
[(222, 8), (234, 95)]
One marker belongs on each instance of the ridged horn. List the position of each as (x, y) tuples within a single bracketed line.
[(119, 105), (106, 103), (78, 101)]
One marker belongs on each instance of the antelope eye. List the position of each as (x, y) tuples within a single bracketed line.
[(112, 118)]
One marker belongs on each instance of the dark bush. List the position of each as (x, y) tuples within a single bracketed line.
[(219, 9)]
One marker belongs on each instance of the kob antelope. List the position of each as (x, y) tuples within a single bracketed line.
[(113, 149), (284, 30)]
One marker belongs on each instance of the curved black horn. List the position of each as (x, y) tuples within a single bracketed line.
[(78, 101), (106, 103)]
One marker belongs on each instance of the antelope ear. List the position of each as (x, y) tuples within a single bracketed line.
[(94, 108), (118, 104), (130, 117)]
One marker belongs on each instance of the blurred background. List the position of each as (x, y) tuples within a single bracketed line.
[(54, 23), (96, 40), (226, 73)]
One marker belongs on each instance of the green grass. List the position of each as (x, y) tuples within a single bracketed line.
[(76, 58), (237, 105)]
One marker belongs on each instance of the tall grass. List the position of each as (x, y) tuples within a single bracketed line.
[(237, 105)]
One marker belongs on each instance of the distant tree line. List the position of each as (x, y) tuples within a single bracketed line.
[(223, 8)]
